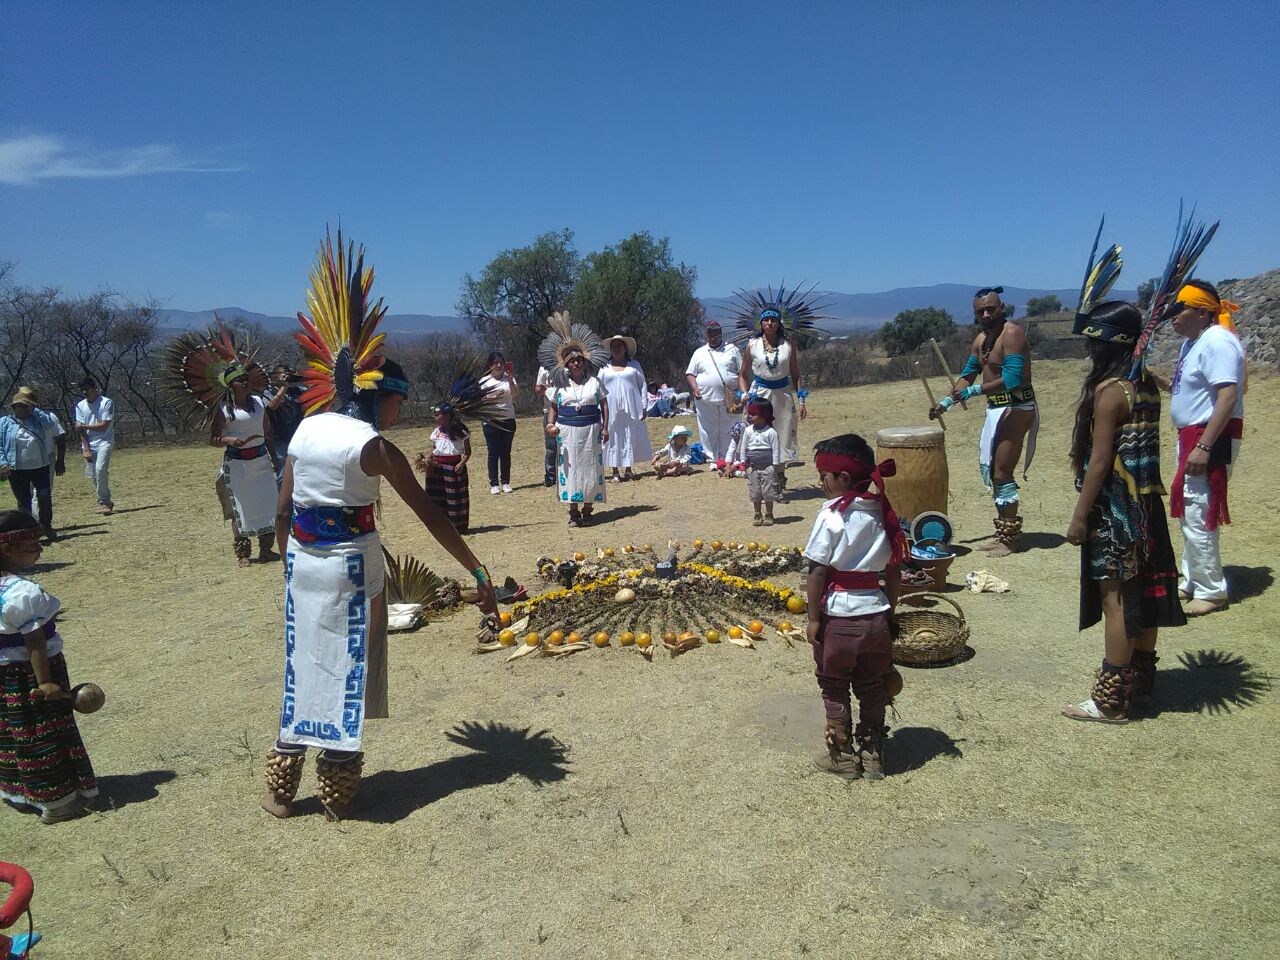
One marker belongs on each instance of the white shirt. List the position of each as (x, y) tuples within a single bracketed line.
[(1211, 360), (96, 412), (764, 439), (445, 446), (854, 540), (24, 607), (248, 425), (502, 389), (326, 462), (548, 381), (715, 370)]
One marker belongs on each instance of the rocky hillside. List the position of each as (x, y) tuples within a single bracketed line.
[(1258, 320)]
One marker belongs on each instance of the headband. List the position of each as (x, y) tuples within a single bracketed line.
[(759, 409), (863, 475), (393, 385), (766, 314), (1199, 299), (232, 373), (17, 536)]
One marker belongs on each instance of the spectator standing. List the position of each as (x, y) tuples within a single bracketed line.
[(544, 387), (33, 446), (623, 380), (283, 411), (95, 422), (499, 381), (713, 380)]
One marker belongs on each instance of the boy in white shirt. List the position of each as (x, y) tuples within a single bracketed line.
[(762, 451), (855, 540)]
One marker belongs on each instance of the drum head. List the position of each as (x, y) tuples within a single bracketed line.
[(911, 437), (932, 525)]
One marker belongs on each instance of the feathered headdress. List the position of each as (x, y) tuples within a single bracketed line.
[(339, 340), (204, 365), (796, 310), (1099, 278), (1189, 242), (467, 398), (565, 336)]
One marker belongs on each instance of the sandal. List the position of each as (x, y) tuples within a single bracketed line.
[(1089, 710)]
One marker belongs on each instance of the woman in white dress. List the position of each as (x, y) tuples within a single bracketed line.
[(578, 419), (246, 479), (623, 381)]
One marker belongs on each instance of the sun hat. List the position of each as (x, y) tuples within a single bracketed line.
[(629, 341), (25, 395), (679, 432)]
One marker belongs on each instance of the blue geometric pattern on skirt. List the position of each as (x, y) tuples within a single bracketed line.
[(290, 641)]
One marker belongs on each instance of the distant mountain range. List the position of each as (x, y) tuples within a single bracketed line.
[(851, 312)]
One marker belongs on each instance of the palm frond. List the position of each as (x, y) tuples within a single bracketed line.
[(409, 580)]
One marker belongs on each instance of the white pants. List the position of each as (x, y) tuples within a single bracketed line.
[(98, 470), (715, 426), (1201, 565)]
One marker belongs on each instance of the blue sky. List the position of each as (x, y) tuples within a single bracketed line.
[(195, 151)]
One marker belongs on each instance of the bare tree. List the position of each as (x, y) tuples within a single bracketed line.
[(24, 319)]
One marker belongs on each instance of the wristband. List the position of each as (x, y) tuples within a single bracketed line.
[(801, 395), (1205, 447), (973, 390), (481, 574), (946, 403)]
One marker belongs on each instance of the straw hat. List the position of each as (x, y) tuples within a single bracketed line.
[(25, 395), (629, 341)]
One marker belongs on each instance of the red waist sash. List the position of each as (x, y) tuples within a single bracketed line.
[(1219, 460), (850, 580)]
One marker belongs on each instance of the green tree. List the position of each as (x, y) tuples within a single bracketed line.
[(634, 287), (1146, 292), (911, 328), (508, 304), (1042, 306)]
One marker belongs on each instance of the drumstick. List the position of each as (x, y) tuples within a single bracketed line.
[(929, 392), (946, 369)]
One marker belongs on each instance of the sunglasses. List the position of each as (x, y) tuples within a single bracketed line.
[(986, 290), (574, 360)]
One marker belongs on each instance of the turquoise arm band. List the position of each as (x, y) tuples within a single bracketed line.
[(1012, 370), (970, 367)]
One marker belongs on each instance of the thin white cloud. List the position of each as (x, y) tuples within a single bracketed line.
[(27, 159)]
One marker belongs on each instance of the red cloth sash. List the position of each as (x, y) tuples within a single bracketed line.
[(863, 475), (1188, 437), (849, 580)]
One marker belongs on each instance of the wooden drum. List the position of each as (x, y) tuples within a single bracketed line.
[(921, 483)]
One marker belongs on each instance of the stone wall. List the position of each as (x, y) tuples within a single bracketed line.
[(1258, 321)]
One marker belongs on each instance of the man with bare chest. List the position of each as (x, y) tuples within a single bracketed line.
[(1001, 357)]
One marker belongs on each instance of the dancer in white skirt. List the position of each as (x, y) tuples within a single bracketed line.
[(623, 381), (335, 610)]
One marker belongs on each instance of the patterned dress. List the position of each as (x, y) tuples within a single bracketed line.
[(579, 455), (1128, 528)]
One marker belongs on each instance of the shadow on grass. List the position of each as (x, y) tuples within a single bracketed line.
[(804, 493), (910, 748), (120, 790), (148, 506), (79, 526), (63, 535), (1208, 681), (621, 513), (495, 527), (500, 752), (1040, 540), (51, 565), (1248, 582), (784, 519)]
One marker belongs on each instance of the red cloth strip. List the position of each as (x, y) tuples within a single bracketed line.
[(1188, 437), (863, 475)]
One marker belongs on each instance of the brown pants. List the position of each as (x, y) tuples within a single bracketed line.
[(854, 652)]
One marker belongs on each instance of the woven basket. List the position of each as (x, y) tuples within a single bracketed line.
[(925, 637)]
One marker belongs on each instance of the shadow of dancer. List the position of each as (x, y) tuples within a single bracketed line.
[(910, 748), (499, 752), (1209, 681), (1248, 582), (120, 790)]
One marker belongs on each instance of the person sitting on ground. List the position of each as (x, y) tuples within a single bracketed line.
[(762, 451), (673, 460), (856, 539)]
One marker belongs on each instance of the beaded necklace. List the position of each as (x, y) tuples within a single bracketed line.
[(771, 364)]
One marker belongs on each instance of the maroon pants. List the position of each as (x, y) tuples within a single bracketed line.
[(854, 652)]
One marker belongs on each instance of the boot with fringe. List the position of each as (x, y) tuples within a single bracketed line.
[(243, 551)]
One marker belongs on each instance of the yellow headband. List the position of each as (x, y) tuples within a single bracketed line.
[(1199, 299)]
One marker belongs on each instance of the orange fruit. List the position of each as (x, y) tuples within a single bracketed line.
[(669, 637), (643, 640), (716, 544), (579, 556), (574, 637), (762, 547), (755, 626), (628, 549), (555, 638), (735, 632), (531, 638), (712, 636), (647, 547), (795, 604), (627, 638), (732, 544), (753, 546), (601, 639), (507, 637), (608, 551), (785, 626), (505, 618), (697, 544)]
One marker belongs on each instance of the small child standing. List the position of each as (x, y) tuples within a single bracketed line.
[(677, 454), (762, 452), (855, 539), (447, 483), (43, 763)]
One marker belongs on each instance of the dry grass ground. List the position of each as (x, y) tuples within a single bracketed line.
[(670, 808)]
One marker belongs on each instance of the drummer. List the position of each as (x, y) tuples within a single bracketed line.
[(1002, 356)]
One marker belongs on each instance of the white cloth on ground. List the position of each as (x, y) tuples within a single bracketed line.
[(854, 539)]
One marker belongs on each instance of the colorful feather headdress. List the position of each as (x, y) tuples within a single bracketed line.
[(1099, 278), (566, 335), (204, 365), (796, 309), (1189, 242), (339, 340)]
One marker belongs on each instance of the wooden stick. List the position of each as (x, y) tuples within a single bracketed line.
[(929, 392), (946, 369)]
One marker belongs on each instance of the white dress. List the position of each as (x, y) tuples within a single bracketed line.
[(251, 483), (628, 442), (772, 372), (330, 589), (579, 459)]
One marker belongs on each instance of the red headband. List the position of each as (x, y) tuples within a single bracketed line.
[(863, 475), (755, 409), (17, 536)]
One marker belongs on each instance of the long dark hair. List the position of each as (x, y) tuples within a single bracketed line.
[(364, 406), (1108, 359)]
